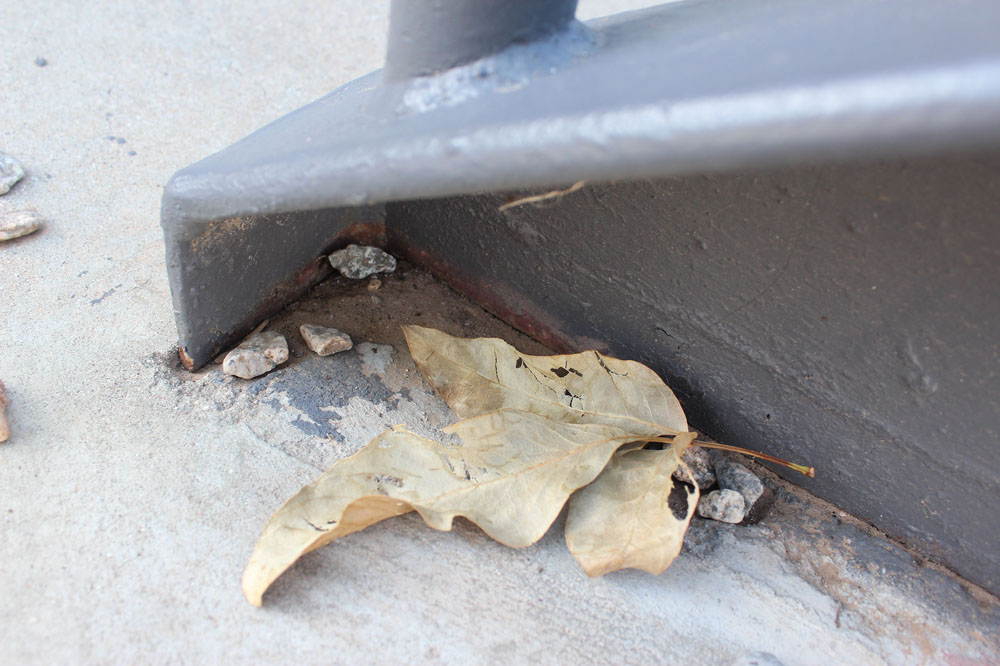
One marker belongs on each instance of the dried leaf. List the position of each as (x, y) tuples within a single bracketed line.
[(614, 525), (511, 477), (480, 375), (634, 515), (536, 429)]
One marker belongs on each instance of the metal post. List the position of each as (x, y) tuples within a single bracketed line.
[(428, 36)]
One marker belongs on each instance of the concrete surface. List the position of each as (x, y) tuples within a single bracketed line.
[(131, 493)]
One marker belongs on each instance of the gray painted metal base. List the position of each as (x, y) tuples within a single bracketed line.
[(845, 316), (839, 313)]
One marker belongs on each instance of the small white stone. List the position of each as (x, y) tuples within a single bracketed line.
[(360, 261), (256, 356), (325, 341), (17, 223), (723, 505), (10, 172)]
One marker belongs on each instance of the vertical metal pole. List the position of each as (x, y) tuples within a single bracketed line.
[(428, 36)]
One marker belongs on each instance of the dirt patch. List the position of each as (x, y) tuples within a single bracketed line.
[(407, 296), (320, 409)]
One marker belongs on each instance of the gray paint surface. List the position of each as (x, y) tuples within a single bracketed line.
[(689, 88), (676, 89), (233, 272), (428, 36), (842, 316), (683, 87)]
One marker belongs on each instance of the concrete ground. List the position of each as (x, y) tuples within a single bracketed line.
[(131, 492)]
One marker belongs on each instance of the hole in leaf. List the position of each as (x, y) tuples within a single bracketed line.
[(678, 499)]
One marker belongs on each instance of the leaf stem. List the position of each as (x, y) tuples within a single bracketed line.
[(802, 469)]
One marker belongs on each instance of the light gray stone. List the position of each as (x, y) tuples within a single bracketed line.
[(257, 355), (698, 461), (360, 261), (325, 341), (17, 223), (10, 172), (734, 476), (726, 506)]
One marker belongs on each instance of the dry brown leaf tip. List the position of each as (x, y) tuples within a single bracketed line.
[(504, 454)]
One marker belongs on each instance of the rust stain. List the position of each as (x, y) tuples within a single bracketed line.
[(219, 231), (502, 305), (491, 299), (186, 360), (289, 289), (364, 233)]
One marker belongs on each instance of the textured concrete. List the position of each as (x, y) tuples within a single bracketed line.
[(131, 492)]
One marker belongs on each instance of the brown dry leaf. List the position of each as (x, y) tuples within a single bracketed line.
[(536, 429), (634, 515), (511, 477), (480, 375)]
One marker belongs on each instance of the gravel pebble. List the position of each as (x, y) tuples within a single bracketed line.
[(256, 356), (360, 261), (700, 464), (10, 172), (325, 341), (723, 505), (734, 476), (17, 223)]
